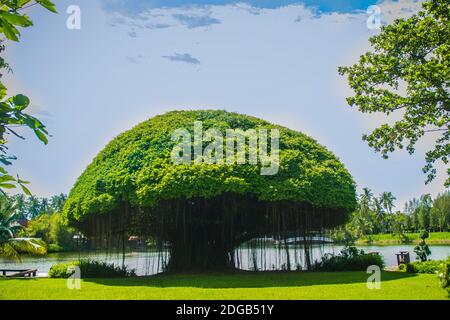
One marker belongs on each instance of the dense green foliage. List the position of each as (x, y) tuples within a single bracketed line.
[(206, 210), (30, 207), (403, 267), (439, 214), (10, 246), (12, 109), (349, 259), (136, 168), (444, 275), (90, 269), (12, 16), (375, 215), (41, 219), (408, 73), (61, 270), (50, 229), (422, 250), (236, 286), (430, 266)]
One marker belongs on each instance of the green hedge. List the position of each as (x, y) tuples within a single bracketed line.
[(431, 266), (61, 270), (350, 259), (90, 269), (444, 275)]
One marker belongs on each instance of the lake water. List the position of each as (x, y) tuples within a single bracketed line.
[(146, 263)]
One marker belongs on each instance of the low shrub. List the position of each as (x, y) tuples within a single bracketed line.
[(422, 250), (349, 259), (100, 269), (430, 266), (444, 275), (61, 270), (402, 267), (91, 269), (409, 268)]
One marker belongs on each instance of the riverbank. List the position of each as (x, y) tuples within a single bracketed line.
[(412, 238), (146, 263), (245, 285)]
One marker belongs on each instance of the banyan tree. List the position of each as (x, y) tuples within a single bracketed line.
[(201, 213)]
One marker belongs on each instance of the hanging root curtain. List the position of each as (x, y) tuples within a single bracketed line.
[(204, 216), (210, 234)]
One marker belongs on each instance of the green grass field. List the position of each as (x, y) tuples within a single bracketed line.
[(435, 238), (245, 286)]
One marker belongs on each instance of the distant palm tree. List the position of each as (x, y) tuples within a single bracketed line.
[(11, 247), (363, 226), (44, 205), (365, 201), (21, 205), (426, 201), (387, 200), (57, 202), (33, 207), (379, 213)]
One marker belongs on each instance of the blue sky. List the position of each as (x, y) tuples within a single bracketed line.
[(131, 60), (133, 7)]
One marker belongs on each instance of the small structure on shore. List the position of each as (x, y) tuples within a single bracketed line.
[(402, 257), (15, 273)]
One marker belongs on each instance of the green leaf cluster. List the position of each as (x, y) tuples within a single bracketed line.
[(408, 73), (12, 109), (136, 168), (13, 115), (11, 16)]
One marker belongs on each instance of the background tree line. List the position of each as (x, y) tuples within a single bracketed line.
[(40, 218), (31, 207), (375, 215)]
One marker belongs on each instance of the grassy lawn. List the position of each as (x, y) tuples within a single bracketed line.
[(435, 238), (272, 285)]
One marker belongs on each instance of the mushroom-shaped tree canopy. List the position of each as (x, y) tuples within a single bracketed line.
[(204, 210)]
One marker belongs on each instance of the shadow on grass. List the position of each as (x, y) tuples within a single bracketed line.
[(240, 279)]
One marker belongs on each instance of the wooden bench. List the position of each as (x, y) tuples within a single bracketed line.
[(19, 273)]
